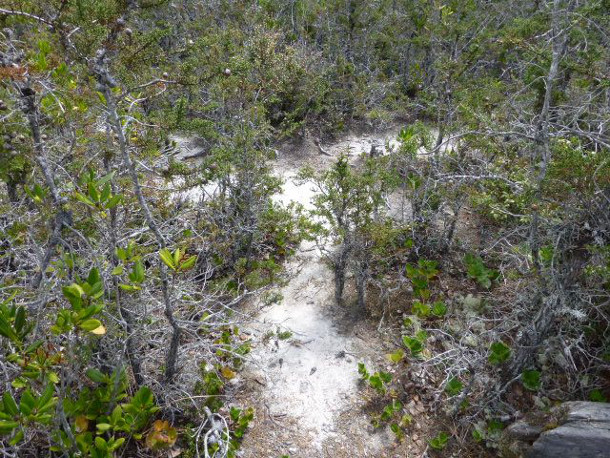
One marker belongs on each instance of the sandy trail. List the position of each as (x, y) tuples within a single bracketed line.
[(305, 387)]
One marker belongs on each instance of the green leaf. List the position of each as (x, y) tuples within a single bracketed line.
[(90, 325), (385, 377), (9, 299), (7, 331), (531, 380), (129, 288), (477, 270), (6, 426), (105, 179), (406, 420), (19, 382), (167, 258), (439, 309), (376, 383), (138, 274), (96, 291), (454, 386), (477, 435), (17, 438), (118, 270), (396, 405), (439, 442), (10, 406), (101, 97), (105, 193), (143, 397), (414, 345), (116, 415), (73, 293), (27, 403), (84, 440), (90, 311), (46, 400), (234, 413), (19, 319), (188, 264), (121, 253), (387, 413), (94, 277), (34, 346), (420, 309), (96, 375), (396, 356), (362, 371), (93, 193), (114, 201), (84, 199), (411, 271), (500, 352), (103, 427), (101, 444), (177, 256), (116, 444)]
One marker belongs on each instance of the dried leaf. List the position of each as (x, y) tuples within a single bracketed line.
[(99, 331), (81, 424), (227, 373)]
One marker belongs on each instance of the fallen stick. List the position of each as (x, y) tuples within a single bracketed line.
[(316, 142)]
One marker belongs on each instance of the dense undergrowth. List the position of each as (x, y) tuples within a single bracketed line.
[(118, 300)]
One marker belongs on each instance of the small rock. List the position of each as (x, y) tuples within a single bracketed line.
[(410, 407), (523, 431)]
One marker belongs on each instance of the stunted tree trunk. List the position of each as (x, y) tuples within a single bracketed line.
[(552, 286), (542, 155), (362, 279), (340, 261), (130, 344), (106, 82), (62, 216)]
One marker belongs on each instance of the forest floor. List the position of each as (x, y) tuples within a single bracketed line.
[(302, 374)]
